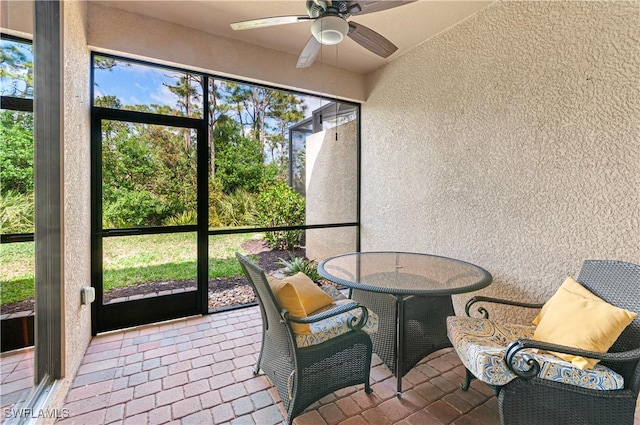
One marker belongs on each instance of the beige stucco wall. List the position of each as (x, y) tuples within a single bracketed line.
[(511, 141), (121, 32), (331, 189), (77, 200)]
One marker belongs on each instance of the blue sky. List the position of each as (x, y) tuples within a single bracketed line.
[(144, 85), (137, 84), (133, 84)]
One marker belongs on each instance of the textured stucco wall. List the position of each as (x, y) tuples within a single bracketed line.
[(511, 141), (331, 189), (77, 200), (117, 31)]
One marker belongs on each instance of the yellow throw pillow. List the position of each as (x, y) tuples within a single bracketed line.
[(575, 317), (569, 285), (300, 296)]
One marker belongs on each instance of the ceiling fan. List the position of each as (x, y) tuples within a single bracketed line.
[(330, 26)]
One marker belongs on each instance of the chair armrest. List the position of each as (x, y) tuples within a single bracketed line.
[(354, 323), (485, 313), (521, 344)]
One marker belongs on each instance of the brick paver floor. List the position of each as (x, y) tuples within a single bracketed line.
[(199, 371)]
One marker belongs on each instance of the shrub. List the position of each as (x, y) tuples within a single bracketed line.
[(236, 209), (182, 219), (133, 209), (279, 205), (299, 264), (16, 212)]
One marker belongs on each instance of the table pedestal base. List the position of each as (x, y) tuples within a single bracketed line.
[(410, 328)]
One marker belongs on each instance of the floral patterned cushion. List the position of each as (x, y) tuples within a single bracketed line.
[(481, 344), (337, 325)]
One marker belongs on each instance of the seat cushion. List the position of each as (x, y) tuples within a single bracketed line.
[(337, 325), (481, 344)]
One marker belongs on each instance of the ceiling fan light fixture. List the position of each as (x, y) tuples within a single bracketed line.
[(329, 30)]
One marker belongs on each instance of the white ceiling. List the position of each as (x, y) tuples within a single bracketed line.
[(406, 26)]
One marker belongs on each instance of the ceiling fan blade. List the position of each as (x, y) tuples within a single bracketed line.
[(371, 40), (268, 22), (360, 7), (309, 53)]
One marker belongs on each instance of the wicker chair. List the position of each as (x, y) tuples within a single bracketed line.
[(304, 375), (530, 399)]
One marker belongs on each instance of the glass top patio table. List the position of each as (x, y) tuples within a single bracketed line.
[(405, 289), (404, 273)]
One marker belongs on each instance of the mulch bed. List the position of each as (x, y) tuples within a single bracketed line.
[(223, 292)]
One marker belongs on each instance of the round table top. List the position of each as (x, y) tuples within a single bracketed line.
[(404, 273)]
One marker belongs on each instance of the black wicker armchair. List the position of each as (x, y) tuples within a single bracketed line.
[(535, 396), (304, 375)]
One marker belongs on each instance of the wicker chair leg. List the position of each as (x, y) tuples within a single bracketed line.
[(256, 370), (467, 380)]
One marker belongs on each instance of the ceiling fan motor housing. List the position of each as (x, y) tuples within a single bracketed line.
[(329, 30)]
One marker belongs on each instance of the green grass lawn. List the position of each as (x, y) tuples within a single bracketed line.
[(129, 260)]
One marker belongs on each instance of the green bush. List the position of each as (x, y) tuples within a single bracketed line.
[(133, 209), (182, 219), (16, 212), (236, 209), (16, 151), (279, 205)]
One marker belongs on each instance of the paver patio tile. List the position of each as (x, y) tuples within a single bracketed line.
[(442, 411), (178, 379), (139, 405), (198, 374), (138, 378), (355, 420), (422, 417), (185, 407), (268, 416), (169, 396), (395, 410), (375, 416), (222, 413), (312, 417), (331, 413), (138, 419), (429, 392), (466, 420), (92, 417), (147, 388), (242, 406), (219, 381), (196, 388), (159, 415), (348, 406), (443, 384), (232, 392), (210, 399), (86, 405), (89, 390), (121, 396), (198, 418), (243, 420), (114, 413), (86, 379), (364, 400)]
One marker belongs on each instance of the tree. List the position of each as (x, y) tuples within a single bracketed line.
[(16, 69), (188, 94), (16, 151), (239, 162), (286, 109)]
